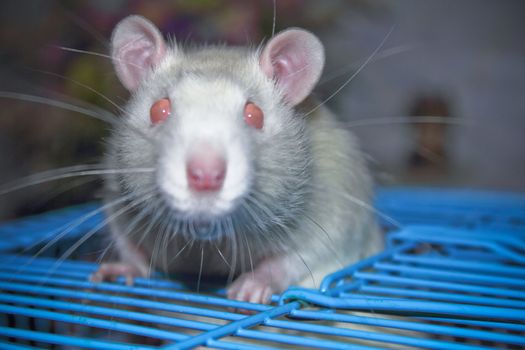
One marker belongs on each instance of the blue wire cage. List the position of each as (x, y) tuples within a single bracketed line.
[(452, 276)]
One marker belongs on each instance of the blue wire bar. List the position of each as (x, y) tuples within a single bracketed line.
[(451, 277)]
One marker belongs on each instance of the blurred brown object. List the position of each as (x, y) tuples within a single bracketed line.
[(430, 114)]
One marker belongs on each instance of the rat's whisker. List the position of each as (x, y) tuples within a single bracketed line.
[(239, 244), (331, 244), (229, 226), (107, 248), (259, 223), (447, 120), (257, 202), (155, 253), (200, 270), (86, 26), (260, 231), (99, 114), (365, 63), (55, 236), (152, 220), (391, 51), (133, 203), (274, 19), (6, 188), (57, 174), (188, 243), (222, 255), (165, 237), (98, 54), (250, 259), (108, 220), (310, 272), (61, 189), (138, 218), (84, 86), (105, 117), (361, 203)]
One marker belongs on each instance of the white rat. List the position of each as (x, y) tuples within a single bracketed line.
[(244, 181)]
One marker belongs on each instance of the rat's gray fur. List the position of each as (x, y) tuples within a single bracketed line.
[(309, 191)]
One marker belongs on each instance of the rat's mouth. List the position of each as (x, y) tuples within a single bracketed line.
[(202, 208), (205, 230), (200, 221)]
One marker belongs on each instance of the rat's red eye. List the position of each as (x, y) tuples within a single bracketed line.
[(253, 115), (160, 110)]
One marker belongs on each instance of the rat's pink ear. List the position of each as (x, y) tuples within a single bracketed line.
[(295, 59), (136, 46)]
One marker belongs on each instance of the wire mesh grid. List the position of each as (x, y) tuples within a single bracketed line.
[(451, 278)]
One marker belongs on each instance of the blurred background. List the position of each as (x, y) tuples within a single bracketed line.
[(442, 102)]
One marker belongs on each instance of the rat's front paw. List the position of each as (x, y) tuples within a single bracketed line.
[(251, 287), (271, 276), (110, 272)]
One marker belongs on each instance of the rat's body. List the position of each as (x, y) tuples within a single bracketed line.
[(243, 181)]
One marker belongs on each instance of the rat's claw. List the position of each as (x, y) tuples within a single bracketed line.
[(250, 288), (110, 272), (270, 277)]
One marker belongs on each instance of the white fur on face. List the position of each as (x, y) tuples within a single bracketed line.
[(205, 113)]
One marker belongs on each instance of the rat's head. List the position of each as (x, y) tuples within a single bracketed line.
[(217, 124)]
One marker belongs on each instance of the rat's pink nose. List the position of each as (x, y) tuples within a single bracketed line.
[(206, 172)]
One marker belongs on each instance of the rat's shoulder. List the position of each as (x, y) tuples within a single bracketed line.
[(335, 149)]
